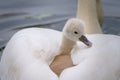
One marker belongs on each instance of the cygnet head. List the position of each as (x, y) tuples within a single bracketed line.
[(74, 30)]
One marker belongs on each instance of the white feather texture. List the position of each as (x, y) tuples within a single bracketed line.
[(100, 62), (29, 52)]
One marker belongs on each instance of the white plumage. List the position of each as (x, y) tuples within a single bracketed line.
[(100, 62), (29, 53)]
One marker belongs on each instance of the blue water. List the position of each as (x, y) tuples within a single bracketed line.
[(19, 14)]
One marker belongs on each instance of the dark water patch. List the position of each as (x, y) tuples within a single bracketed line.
[(5, 35), (111, 25), (7, 15), (111, 2), (113, 17), (2, 48), (2, 44)]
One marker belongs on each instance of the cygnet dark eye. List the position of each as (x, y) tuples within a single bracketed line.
[(75, 32)]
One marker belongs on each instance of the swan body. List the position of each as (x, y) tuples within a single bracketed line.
[(29, 53), (99, 62), (25, 56)]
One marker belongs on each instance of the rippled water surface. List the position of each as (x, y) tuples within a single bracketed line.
[(19, 14)]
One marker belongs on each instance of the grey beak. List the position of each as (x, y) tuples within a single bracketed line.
[(85, 41)]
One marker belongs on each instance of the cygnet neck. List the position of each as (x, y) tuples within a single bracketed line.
[(66, 46), (87, 11), (63, 60)]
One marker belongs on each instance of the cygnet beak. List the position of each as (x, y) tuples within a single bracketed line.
[(85, 40)]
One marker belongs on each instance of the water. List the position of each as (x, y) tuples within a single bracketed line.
[(19, 14)]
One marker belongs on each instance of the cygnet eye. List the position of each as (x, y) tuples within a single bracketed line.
[(75, 32)]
